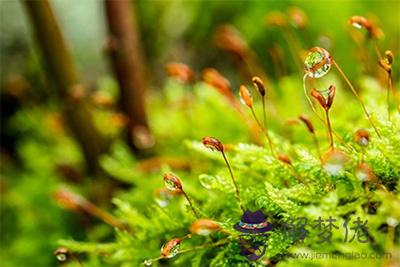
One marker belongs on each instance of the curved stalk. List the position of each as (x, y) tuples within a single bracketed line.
[(190, 204), (388, 96), (367, 114), (328, 123), (264, 112), (265, 131), (317, 146), (318, 116), (309, 99), (233, 181)]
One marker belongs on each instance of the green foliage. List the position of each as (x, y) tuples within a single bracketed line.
[(180, 115), (264, 182), (32, 221)]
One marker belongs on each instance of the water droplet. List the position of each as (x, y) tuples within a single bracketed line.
[(174, 250), (333, 168), (170, 185), (364, 172), (245, 97), (162, 202), (318, 62), (61, 254), (360, 22), (212, 144), (148, 262), (172, 182), (61, 257), (204, 227), (334, 162), (362, 175), (204, 231), (393, 222), (162, 197), (357, 25), (208, 181), (362, 137), (243, 101), (363, 141), (171, 248)]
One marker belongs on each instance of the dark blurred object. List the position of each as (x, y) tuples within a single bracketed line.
[(9, 104), (61, 69), (12, 95), (123, 46), (69, 173)]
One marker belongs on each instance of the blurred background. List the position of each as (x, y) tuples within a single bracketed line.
[(67, 100)]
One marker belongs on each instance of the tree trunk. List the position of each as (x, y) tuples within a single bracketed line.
[(61, 69), (123, 47)]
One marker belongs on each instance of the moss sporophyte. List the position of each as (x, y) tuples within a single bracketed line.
[(326, 103), (292, 172), (317, 64), (173, 183)]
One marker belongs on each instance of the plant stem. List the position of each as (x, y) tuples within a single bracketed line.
[(190, 204), (379, 55), (328, 123), (309, 99), (390, 239), (357, 96), (103, 215), (128, 65), (62, 70), (264, 112), (317, 146), (390, 80), (376, 47), (395, 94), (264, 130), (388, 95), (233, 181), (318, 116), (291, 40), (367, 195), (208, 245), (362, 154)]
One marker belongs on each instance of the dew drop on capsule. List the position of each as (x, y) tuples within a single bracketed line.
[(244, 101), (170, 185), (317, 63), (174, 251), (356, 25), (172, 182), (171, 248)]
